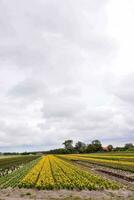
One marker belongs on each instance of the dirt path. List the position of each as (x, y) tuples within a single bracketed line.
[(123, 177), (26, 194)]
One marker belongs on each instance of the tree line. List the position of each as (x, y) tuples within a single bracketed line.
[(78, 147), (93, 147)]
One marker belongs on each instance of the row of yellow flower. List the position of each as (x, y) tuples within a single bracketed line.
[(45, 180), (30, 179), (123, 165), (52, 172), (82, 179), (109, 157)]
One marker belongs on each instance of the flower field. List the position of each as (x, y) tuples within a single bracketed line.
[(11, 163), (57, 172), (118, 162), (53, 173), (13, 179)]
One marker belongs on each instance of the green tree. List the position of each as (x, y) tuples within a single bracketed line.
[(90, 148), (128, 146), (110, 147), (96, 145), (68, 144), (80, 147)]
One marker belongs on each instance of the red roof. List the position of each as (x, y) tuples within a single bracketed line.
[(105, 148)]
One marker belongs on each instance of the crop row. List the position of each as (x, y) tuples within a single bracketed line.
[(13, 179), (123, 165), (54, 173), (116, 158), (122, 154), (13, 161)]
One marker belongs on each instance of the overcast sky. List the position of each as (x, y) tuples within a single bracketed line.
[(66, 72)]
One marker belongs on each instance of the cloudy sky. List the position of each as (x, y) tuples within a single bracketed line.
[(66, 72)]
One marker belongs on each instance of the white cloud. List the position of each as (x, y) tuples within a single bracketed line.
[(65, 72)]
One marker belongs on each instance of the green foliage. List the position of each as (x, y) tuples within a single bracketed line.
[(110, 147), (13, 179), (80, 147), (128, 146), (68, 144)]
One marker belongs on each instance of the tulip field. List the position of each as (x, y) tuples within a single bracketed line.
[(122, 162), (10, 163), (13, 179), (54, 172), (51, 172)]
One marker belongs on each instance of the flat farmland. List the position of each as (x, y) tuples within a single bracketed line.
[(72, 172), (116, 166), (118, 161)]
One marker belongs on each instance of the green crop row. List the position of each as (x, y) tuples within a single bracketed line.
[(13, 179), (13, 161)]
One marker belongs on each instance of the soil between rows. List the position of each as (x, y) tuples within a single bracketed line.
[(124, 177)]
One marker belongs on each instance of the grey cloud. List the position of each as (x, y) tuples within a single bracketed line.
[(54, 60), (124, 89), (46, 32), (62, 103), (29, 88)]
